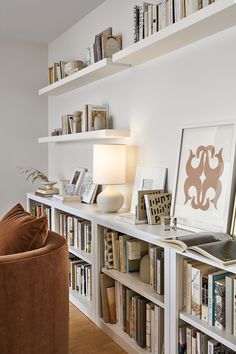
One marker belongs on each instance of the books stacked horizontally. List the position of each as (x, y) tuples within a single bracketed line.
[(104, 46), (76, 231), (124, 253), (80, 277), (138, 317), (194, 342), (152, 17), (42, 210), (46, 193)]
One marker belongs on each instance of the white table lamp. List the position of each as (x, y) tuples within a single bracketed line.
[(109, 168)]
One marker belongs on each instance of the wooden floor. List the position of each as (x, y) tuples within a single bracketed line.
[(86, 338)]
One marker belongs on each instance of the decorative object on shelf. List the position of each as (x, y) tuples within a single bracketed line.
[(34, 174), (140, 212), (145, 269), (204, 177), (72, 123), (147, 178), (165, 222), (157, 205), (77, 179), (99, 122), (109, 168), (56, 132), (91, 114), (173, 223), (72, 67), (111, 45), (88, 189), (62, 186), (48, 184)]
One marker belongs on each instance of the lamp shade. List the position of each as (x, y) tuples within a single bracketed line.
[(109, 164)]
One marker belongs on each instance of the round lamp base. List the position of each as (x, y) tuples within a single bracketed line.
[(110, 200)]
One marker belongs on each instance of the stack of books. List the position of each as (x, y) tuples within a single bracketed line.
[(80, 277), (46, 193), (138, 317), (76, 231), (194, 342)]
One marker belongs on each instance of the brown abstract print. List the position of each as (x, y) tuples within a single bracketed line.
[(204, 169)]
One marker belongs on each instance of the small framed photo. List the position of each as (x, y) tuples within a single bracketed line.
[(77, 178), (88, 189), (98, 110), (147, 178), (204, 181)]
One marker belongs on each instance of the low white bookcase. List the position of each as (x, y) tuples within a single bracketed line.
[(170, 302)]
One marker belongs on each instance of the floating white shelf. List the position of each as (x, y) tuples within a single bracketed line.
[(132, 281), (210, 20), (221, 336), (93, 135), (92, 73)]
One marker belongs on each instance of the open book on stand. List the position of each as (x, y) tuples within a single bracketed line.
[(218, 247)]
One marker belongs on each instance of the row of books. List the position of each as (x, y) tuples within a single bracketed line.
[(192, 341), (150, 18), (42, 210), (138, 317), (124, 253), (80, 276), (76, 231), (209, 293), (57, 71), (105, 45)]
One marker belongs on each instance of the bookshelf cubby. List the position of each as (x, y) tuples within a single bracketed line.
[(172, 300)]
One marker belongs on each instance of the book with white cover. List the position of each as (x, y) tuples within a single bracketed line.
[(67, 198)]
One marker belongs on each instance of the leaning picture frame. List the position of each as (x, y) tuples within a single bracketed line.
[(202, 195), (88, 189), (77, 178), (147, 178)]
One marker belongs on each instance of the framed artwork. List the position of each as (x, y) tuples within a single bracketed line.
[(233, 220), (88, 189), (77, 178), (202, 196), (98, 110), (147, 178)]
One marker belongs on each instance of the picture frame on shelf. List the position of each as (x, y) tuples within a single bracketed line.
[(94, 111), (88, 189), (204, 178), (147, 178), (233, 219), (77, 178)]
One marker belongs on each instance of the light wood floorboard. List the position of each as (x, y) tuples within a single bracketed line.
[(86, 338)]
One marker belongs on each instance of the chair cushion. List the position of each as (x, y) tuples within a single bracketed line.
[(21, 232)]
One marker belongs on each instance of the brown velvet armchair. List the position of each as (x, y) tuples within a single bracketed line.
[(34, 302)]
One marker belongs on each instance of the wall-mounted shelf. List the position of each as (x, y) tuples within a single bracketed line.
[(201, 24), (92, 135), (92, 73)]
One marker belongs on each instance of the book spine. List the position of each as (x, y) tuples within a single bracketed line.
[(150, 21), (234, 308), (141, 22), (136, 23), (185, 263), (160, 271), (189, 288), (196, 292), (155, 18), (189, 340), (229, 292), (148, 327), (210, 299), (204, 315), (220, 304)]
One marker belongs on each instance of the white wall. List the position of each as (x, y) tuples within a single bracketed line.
[(23, 117), (191, 85)]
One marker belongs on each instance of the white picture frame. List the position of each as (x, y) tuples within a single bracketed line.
[(88, 189), (202, 195), (147, 178), (77, 178)]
